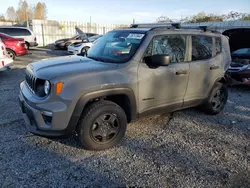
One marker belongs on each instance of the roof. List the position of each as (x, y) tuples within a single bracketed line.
[(7, 26)]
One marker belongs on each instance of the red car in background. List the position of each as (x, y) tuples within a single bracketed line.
[(14, 46)]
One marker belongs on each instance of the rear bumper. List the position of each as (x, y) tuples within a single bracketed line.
[(32, 44), (22, 52)]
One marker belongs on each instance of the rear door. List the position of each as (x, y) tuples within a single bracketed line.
[(204, 68)]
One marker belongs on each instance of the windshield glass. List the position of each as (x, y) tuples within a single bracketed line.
[(116, 46), (94, 38)]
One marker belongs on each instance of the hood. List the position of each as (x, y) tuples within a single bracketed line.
[(79, 31), (62, 66)]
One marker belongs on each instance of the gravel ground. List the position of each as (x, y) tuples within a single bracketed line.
[(187, 149)]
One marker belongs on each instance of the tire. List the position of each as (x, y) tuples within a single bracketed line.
[(27, 45), (93, 130), (11, 54), (217, 99), (83, 51)]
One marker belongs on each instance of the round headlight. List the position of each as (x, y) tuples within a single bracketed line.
[(46, 87)]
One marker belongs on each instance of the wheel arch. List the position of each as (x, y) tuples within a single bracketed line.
[(222, 80), (114, 95), (11, 50)]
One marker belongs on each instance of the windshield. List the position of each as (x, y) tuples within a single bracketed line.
[(116, 46), (94, 38)]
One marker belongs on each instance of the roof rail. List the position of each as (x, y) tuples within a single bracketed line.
[(151, 25), (171, 25)]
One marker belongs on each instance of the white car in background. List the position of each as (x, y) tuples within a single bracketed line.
[(5, 61), (21, 32), (83, 47)]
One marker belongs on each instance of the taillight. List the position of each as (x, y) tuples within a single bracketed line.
[(3, 50), (35, 39), (3, 63)]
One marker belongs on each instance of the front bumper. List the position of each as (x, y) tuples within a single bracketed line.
[(47, 119), (60, 45), (73, 51)]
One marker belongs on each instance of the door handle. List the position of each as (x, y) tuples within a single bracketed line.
[(213, 67), (181, 72)]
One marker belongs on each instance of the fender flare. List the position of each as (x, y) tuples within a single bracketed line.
[(219, 79), (84, 99)]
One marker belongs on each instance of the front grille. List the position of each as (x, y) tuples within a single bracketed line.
[(31, 81)]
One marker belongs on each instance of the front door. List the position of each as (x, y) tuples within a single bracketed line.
[(163, 88)]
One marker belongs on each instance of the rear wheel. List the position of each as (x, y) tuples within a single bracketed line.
[(11, 54), (102, 125), (27, 45), (217, 99)]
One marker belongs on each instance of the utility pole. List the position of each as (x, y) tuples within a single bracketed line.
[(27, 18)]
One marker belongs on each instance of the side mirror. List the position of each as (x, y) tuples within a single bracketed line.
[(157, 60)]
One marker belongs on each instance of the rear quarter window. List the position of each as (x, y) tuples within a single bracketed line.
[(218, 45)]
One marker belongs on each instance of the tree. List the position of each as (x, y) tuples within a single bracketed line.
[(162, 19), (203, 17), (233, 16), (22, 11), (246, 17), (40, 11), (11, 14), (2, 18)]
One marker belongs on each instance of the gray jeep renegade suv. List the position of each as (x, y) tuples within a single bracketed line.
[(129, 73)]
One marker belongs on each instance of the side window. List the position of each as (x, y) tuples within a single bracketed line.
[(149, 49), (218, 45), (2, 37), (8, 31), (169, 45), (201, 47), (22, 32)]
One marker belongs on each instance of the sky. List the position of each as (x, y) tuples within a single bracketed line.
[(124, 11)]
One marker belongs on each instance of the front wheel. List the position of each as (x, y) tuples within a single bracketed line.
[(84, 51), (217, 99), (102, 125)]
